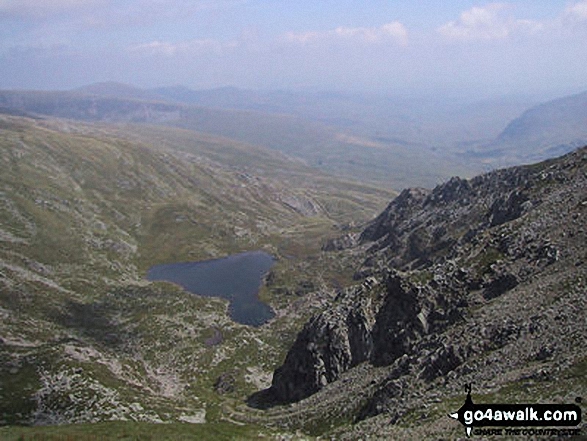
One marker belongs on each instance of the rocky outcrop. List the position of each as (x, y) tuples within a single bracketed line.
[(496, 239), (506, 209), (401, 321), (329, 344), (499, 285), (420, 225), (410, 313), (399, 210), (360, 330), (340, 243)]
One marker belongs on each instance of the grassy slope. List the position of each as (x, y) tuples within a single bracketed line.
[(385, 163), (136, 431), (85, 210)]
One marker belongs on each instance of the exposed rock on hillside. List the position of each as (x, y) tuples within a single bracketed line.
[(328, 345), (86, 209), (477, 281)]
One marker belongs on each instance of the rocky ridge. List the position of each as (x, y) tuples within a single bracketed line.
[(479, 280)]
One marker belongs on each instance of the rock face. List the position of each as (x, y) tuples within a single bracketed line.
[(401, 320), (407, 315), (328, 345), (451, 277), (419, 225)]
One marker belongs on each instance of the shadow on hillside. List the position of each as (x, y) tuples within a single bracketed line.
[(263, 399), (92, 320)]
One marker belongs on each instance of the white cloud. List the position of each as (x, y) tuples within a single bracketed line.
[(40, 9), (182, 48), (496, 22), (301, 37), (576, 12), (155, 48), (491, 22), (394, 31)]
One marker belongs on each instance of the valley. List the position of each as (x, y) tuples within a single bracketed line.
[(85, 213), (369, 155), (385, 301), (293, 221)]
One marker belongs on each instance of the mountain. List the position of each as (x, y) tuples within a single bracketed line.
[(86, 209), (381, 316), (544, 131), (111, 89), (479, 281), (473, 135), (434, 121), (325, 147), (222, 98)]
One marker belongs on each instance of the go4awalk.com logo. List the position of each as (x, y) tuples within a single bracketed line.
[(562, 419)]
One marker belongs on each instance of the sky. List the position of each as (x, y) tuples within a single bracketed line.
[(416, 47)]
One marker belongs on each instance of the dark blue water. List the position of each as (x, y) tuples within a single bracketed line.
[(236, 278)]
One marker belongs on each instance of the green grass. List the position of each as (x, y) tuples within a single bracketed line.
[(137, 431), (93, 207), (18, 385), (421, 277), (484, 261), (383, 162)]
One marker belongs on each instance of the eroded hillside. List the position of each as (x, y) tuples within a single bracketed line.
[(478, 281), (86, 209)]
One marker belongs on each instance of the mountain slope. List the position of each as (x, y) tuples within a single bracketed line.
[(440, 122), (85, 210), (113, 89), (544, 131), (457, 128), (481, 281), (384, 162)]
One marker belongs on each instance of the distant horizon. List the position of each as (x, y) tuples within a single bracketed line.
[(459, 48), (538, 96)]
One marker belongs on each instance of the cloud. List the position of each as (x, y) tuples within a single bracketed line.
[(576, 12), (394, 31), (42, 9), (191, 47), (491, 22), (495, 22)]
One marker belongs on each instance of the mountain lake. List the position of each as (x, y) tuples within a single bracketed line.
[(236, 278)]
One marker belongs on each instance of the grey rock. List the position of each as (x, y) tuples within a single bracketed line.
[(467, 278)]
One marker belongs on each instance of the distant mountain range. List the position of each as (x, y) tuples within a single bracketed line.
[(391, 142), (333, 149), (543, 131)]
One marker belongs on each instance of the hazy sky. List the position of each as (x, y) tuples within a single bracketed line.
[(397, 47)]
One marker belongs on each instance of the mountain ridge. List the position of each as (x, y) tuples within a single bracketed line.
[(544, 131), (459, 284), (534, 131)]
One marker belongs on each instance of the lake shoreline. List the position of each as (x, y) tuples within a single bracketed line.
[(236, 278)]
